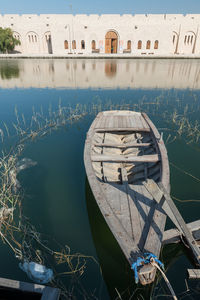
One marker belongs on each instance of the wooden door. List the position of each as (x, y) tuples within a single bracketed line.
[(108, 46), (111, 42), (114, 46)]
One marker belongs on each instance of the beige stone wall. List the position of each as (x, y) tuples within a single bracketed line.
[(43, 34)]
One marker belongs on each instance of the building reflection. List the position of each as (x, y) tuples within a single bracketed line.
[(110, 68), (9, 70), (100, 73)]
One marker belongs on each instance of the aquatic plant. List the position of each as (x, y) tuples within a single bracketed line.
[(179, 122)]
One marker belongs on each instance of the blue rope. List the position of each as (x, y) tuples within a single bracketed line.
[(144, 261)]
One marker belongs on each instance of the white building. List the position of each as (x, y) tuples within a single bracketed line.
[(138, 35)]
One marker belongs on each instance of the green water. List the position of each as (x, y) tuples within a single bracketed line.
[(57, 198)]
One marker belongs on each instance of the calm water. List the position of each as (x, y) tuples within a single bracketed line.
[(57, 198)]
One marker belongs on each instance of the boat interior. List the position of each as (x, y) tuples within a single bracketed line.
[(125, 144)]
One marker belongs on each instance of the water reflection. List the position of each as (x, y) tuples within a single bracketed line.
[(9, 70), (110, 68), (102, 73)]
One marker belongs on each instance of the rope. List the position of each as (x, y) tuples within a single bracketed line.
[(145, 260), (165, 278)]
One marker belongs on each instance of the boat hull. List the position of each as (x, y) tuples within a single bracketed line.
[(122, 151)]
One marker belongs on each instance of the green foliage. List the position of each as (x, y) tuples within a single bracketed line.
[(7, 41)]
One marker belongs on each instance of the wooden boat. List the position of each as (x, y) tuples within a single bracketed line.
[(123, 150)]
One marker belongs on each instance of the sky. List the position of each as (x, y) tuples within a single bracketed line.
[(99, 6)]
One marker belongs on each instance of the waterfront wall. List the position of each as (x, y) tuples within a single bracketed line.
[(138, 35)]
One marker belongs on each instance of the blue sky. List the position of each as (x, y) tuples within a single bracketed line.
[(99, 6)]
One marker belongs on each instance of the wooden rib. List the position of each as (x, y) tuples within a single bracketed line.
[(121, 158), (128, 145), (128, 129)]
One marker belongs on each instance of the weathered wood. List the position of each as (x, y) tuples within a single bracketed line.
[(125, 145), (115, 156), (121, 158), (125, 129), (153, 188), (20, 285), (194, 273), (161, 191), (163, 152), (48, 293), (185, 230), (155, 234), (174, 235)]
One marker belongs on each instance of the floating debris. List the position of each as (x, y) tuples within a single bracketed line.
[(21, 165), (37, 272)]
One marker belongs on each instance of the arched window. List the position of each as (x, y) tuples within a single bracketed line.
[(191, 39), (174, 38), (185, 39), (156, 44), (66, 46), (73, 44), (148, 46), (129, 45), (188, 39), (93, 45), (139, 44), (82, 44), (17, 36)]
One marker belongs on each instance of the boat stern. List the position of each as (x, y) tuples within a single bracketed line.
[(147, 274)]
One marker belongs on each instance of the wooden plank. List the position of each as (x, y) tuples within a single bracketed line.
[(194, 273), (121, 158), (182, 225), (115, 122), (136, 212), (128, 129), (129, 122), (144, 206), (132, 122), (107, 121), (119, 120), (154, 238), (98, 121), (174, 235), (22, 286), (125, 204), (111, 122), (161, 148), (124, 122), (125, 145), (102, 123), (152, 187), (138, 123), (50, 294)]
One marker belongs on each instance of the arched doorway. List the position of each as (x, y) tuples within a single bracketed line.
[(111, 41)]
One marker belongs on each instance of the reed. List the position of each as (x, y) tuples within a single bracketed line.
[(178, 120)]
